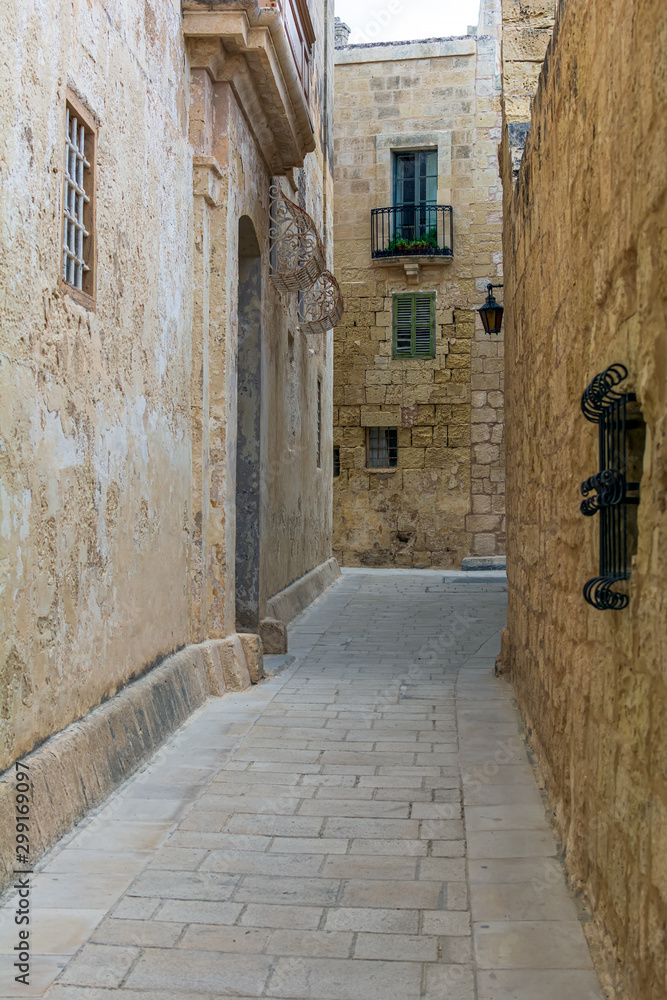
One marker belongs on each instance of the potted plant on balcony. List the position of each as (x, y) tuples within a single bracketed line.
[(415, 245)]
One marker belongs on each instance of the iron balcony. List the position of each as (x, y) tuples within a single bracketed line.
[(412, 231)]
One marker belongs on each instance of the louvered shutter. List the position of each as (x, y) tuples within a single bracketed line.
[(423, 324), (403, 305)]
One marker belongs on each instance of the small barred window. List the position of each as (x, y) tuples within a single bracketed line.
[(78, 204), (381, 447)]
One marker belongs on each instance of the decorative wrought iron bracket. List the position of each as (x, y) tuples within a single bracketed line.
[(298, 264), (608, 493), (297, 254), (322, 305)]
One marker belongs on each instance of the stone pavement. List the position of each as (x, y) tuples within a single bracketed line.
[(365, 825)]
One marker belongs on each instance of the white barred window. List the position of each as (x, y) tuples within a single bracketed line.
[(78, 203)]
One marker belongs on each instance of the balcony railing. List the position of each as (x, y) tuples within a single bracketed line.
[(412, 231)]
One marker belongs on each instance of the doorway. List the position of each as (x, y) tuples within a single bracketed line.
[(248, 446)]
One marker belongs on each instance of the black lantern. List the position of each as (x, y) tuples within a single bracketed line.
[(491, 312)]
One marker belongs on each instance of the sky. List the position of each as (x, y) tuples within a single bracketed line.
[(397, 20)]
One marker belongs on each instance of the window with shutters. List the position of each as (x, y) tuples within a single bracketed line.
[(78, 217), (414, 326), (381, 447)]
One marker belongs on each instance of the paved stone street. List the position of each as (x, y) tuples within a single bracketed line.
[(365, 824)]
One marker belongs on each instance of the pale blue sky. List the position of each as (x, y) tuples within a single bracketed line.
[(396, 20)]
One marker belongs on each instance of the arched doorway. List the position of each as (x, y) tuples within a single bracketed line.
[(248, 477)]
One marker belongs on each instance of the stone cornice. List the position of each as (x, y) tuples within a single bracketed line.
[(238, 42)]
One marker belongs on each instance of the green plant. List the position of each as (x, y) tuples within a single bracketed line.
[(428, 241)]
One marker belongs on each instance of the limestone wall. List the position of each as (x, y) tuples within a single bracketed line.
[(445, 499), (585, 286), (299, 529), (118, 424)]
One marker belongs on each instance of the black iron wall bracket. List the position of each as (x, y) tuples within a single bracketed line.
[(608, 493)]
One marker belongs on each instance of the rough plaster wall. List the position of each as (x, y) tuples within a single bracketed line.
[(585, 286), (427, 512), (95, 455)]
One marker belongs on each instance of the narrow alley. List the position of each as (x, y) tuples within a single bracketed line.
[(364, 823)]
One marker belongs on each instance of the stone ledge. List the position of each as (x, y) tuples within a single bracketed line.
[(483, 562), (287, 604), (425, 48), (76, 769)]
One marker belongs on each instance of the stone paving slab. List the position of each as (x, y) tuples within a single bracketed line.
[(364, 824)]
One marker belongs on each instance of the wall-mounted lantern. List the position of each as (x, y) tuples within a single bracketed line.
[(491, 312)]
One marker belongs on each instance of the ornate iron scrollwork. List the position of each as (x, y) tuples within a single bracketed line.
[(604, 405), (610, 489), (322, 305), (297, 254)]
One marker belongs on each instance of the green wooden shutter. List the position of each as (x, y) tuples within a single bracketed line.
[(403, 312), (424, 308), (414, 326)]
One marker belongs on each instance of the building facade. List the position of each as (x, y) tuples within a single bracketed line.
[(418, 386), (585, 250), (166, 459)]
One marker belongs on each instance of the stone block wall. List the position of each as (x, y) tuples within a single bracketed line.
[(585, 286), (445, 499)]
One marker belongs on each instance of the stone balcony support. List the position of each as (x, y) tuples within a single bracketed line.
[(247, 46)]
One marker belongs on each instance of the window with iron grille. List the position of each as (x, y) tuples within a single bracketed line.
[(78, 220), (381, 447), (414, 326), (336, 462)]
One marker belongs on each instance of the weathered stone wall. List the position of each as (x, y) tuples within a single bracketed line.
[(95, 449), (585, 286), (118, 448), (445, 499), (526, 31), (299, 528)]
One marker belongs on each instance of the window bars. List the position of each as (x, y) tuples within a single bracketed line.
[(76, 198), (381, 447), (609, 492)]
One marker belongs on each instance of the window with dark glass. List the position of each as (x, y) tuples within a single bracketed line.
[(416, 194), (381, 447)]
